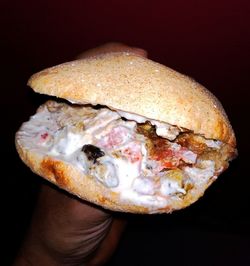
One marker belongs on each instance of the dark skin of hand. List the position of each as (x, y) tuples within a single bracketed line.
[(66, 230)]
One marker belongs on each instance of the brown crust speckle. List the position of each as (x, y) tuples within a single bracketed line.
[(54, 169)]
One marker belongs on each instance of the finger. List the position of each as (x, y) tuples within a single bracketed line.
[(109, 244), (59, 203), (87, 228), (112, 47)]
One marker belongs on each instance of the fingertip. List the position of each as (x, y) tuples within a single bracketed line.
[(140, 51), (112, 47)]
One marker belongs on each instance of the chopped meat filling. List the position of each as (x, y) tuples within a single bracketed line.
[(126, 155)]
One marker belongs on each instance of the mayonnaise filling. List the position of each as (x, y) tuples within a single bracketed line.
[(162, 129), (108, 148)]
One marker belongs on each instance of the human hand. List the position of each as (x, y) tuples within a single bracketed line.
[(67, 231)]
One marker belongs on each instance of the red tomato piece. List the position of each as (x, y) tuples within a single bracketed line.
[(44, 135), (133, 152)]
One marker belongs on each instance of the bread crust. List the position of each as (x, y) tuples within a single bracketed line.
[(127, 82)]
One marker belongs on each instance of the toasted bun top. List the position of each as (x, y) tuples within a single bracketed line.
[(138, 85)]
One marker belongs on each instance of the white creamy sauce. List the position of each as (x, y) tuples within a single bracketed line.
[(144, 200), (67, 145), (201, 174), (170, 187), (216, 144), (144, 186), (126, 172), (162, 129), (123, 164)]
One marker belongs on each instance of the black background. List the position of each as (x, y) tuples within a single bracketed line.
[(208, 40)]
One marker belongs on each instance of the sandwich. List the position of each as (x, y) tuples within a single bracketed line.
[(126, 133)]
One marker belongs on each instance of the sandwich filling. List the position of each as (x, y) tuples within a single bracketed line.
[(146, 161)]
